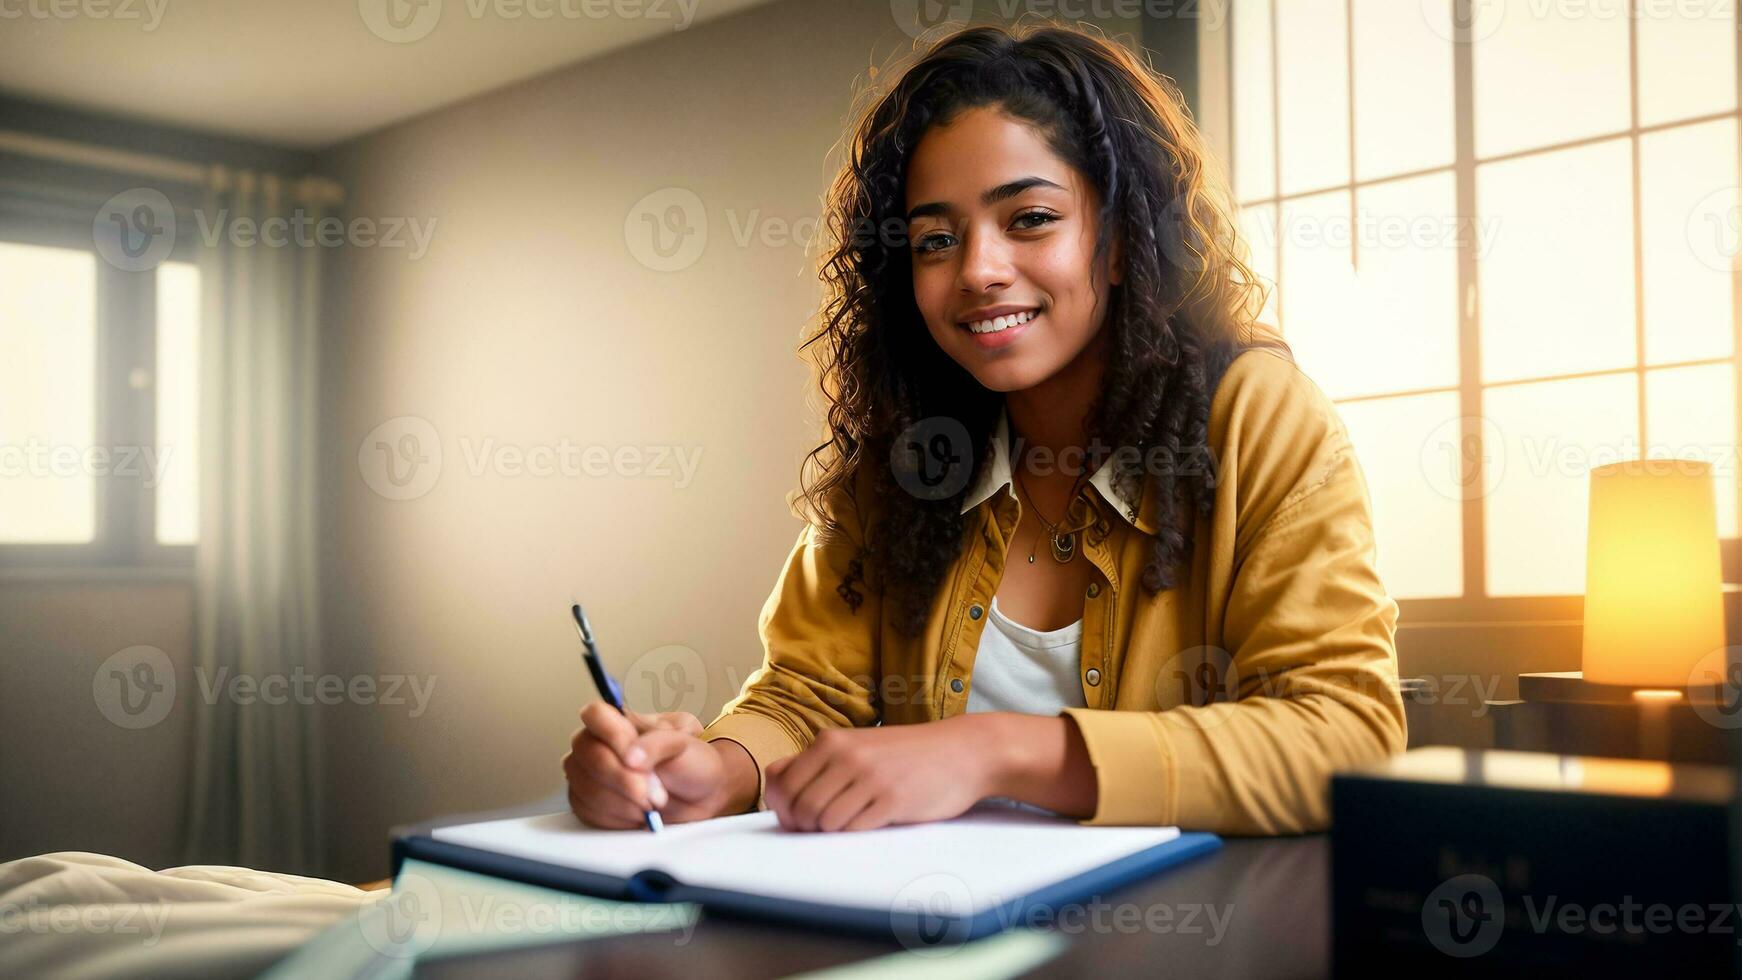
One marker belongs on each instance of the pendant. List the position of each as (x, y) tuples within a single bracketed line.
[(1064, 547)]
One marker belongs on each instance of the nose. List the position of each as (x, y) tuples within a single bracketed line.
[(985, 263)]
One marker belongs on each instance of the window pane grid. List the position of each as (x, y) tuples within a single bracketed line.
[(1358, 399), (85, 448), (1534, 151), (1635, 369), (1639, 385), (1348, 186), (1500, 158)]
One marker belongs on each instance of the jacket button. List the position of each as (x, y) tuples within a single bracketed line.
[(975, 612), (1094, 589), (1093, 677), (956, 685)]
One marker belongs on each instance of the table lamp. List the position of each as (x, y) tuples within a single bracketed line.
[(1653, 585)]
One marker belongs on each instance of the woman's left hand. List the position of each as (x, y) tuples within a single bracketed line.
[(864, 778)]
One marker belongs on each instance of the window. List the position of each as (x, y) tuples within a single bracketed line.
[(1503, 238), (98, 401)]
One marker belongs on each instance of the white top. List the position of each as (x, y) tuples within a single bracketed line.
[(1026, 670)]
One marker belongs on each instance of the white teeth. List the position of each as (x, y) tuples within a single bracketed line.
[(1001, 323)]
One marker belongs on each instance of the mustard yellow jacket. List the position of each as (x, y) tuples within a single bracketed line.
[(1223, 704)]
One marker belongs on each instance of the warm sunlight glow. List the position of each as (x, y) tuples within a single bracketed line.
[(1557, 266), (1417, 515), (48, 328), (178, 351), (1547, 73), (1258, 228), (1551, 435), (1690, 413), (1389, 321), (1690, 216), (1668, 46), (1586, 298), (1312, 69), (1254, 108), (1403, 123)]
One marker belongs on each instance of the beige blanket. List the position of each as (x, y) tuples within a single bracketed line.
[(79, 915)]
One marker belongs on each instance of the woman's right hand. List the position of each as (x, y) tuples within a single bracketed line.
[(619, 766)]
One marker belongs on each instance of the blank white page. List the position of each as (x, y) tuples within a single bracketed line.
[(985, 857), (561, 838)]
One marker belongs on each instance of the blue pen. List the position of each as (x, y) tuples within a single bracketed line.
[(607, 686)]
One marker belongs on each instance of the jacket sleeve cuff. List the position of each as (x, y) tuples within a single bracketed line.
[(1136, 771), (762, 737)]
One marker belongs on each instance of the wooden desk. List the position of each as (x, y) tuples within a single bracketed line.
[(1271, 896)]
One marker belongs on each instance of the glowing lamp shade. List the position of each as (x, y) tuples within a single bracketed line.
[(1653, 588)]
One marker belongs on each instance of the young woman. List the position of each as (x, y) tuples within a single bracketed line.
[(1081, 534)]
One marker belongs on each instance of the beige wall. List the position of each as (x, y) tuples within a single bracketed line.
[(73, 780)]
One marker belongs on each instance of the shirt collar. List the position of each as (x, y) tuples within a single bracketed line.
[(996, 476)]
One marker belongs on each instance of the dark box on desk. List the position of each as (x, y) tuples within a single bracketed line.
[(1452, 861)]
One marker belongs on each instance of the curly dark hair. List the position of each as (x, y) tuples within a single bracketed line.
[(1184, 309)]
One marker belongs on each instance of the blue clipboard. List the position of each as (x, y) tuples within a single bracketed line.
[(924, 926)]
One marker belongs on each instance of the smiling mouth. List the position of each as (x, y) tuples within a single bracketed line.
[(1001, 323)]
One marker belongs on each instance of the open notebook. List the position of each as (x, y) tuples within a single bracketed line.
[(991, 868)]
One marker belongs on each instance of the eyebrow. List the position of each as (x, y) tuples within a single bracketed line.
[(1000, 193)]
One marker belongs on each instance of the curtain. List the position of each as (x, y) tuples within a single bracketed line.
[(255, 791)]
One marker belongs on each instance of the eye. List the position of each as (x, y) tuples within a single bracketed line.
[(1025, 221), (930, 243)]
